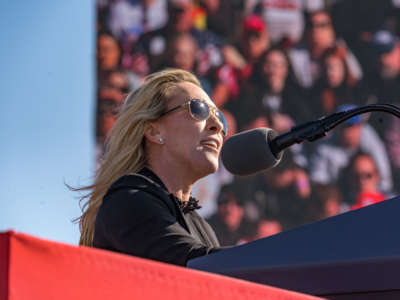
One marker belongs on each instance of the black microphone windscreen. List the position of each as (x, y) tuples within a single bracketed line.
[(249, 152)]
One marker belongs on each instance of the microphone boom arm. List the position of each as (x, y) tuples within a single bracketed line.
[(314, 130)]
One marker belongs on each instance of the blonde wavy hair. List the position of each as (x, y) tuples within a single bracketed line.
[(125, 144)]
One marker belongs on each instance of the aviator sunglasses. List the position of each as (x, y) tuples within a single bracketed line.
[(201, 111)]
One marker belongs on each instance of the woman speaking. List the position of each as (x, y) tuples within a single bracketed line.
[(167, 136)]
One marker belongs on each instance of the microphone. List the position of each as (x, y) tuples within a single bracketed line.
[(250, 151), (258, 149)]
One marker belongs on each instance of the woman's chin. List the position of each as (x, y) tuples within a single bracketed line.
[(208, 165)]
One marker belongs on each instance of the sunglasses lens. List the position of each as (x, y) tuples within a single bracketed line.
[(199, 109)]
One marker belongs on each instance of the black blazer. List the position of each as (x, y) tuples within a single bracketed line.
[(140, 217)]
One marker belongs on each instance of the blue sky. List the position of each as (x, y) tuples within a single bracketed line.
[(46, 114)]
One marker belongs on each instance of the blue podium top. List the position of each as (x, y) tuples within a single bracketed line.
[(357, 251)]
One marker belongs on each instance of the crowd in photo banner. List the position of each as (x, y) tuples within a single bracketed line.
[(270, 63)]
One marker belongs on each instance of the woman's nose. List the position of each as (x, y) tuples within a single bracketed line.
[(214, 124)]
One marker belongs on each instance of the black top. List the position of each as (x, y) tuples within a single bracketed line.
[(140, 217)]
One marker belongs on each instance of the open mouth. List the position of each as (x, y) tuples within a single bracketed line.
[(210, 144)]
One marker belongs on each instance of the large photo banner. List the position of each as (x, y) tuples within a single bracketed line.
[(275, 64)]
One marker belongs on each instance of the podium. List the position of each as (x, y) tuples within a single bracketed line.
[(37, 269), (355, 255)]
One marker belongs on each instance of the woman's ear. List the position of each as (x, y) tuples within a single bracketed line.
[(153, 134)]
